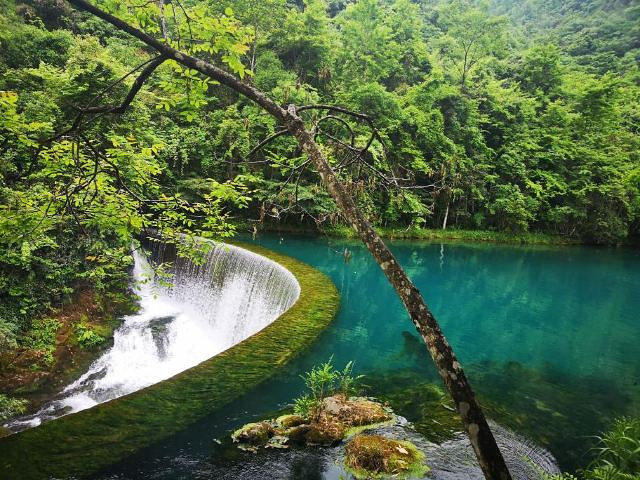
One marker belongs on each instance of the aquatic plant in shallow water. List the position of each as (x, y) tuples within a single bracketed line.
[(617, 455), (618, 449)]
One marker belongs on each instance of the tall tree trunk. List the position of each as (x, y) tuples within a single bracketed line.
[(163, 20), (446, 216), (463, 80), (484, 445), (254, 49)]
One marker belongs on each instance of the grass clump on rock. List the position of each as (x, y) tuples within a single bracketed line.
[(374, 456), (322, 417)]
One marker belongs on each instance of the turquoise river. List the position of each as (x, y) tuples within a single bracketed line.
[(549, 338)]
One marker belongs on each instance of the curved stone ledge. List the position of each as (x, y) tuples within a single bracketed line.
[(85, 442)]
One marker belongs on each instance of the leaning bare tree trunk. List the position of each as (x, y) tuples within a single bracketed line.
[(474, 421)]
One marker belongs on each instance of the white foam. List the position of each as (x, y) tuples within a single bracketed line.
[(208, 309)]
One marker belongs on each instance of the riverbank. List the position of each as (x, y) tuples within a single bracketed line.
[(427, 234), (60, 345), (483, 236)]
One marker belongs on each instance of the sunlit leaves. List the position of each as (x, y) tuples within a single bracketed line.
[(470, 36), (192, 28), (13, 127)]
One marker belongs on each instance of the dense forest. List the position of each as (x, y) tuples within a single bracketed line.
[(510, 116)]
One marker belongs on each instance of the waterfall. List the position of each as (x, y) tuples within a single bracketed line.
[(207, 309)]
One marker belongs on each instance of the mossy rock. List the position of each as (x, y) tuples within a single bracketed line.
[(374, 456), (340, 417), (298, 435), (254, 434), (325, 431), (288, 421), (356, 411)]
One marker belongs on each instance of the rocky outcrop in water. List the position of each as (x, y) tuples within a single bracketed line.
[(339, 417), (376, 456), (342, 420)]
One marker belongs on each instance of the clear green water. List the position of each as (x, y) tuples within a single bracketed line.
[(548, 337)]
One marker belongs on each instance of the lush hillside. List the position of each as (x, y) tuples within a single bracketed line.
[(509, 116), (600, 35)]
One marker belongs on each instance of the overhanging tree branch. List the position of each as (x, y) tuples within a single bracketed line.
[(133, 91), (267, 140), (187, 60), (149, 67), (487, 452)]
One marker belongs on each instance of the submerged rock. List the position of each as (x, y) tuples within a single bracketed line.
[(451, 459)]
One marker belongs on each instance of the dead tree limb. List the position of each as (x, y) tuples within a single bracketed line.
[(133, 91), (267, 140), (149, 67), (489, 456)]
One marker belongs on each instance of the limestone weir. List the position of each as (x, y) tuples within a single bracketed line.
[(223, 326)]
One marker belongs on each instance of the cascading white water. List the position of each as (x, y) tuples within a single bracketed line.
[(208, 308)]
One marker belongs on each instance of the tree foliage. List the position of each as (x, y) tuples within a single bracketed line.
[(501, 115)]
